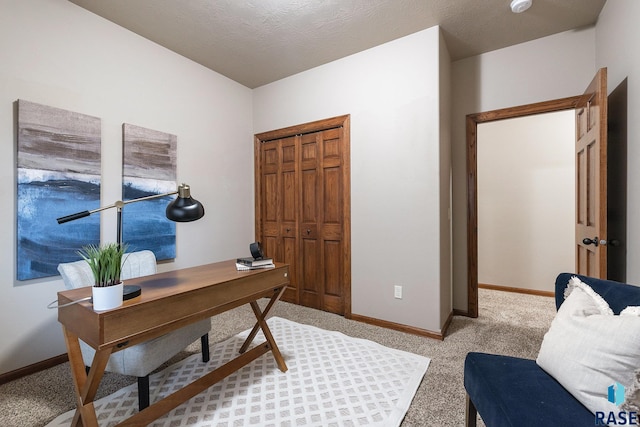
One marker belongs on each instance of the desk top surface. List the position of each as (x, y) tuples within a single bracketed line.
[(171, 283), (174, 297)]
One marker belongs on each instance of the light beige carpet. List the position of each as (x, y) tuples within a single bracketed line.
[(511, 324)]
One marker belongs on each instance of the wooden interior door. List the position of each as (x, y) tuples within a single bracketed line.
[(321, 220), (591, 179), (303, 210), (278, 206), (311, 292)]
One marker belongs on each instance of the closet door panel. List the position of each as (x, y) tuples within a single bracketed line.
[(333, 260), (333, 253), (270, 246), (309, 196), (290, 256), (270, 184), (309, 295), (332, 204), (289, 214), (332, 269)]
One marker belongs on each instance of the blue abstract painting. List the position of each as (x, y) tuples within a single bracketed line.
[(58, 174), (149, 168)]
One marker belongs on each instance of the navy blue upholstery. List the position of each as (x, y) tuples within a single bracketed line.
[(510, 391), (618, 295)]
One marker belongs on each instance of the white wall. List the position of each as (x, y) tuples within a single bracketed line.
[(392, 94), (526, 200), (55, 53), (617, 35), (446, 289), (549, 68)]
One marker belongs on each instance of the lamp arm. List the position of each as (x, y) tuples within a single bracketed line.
[(83, 214), (73, 217), (140, 199), (119, 204)]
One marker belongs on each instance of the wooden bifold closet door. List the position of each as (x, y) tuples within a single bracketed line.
[(303, 210)]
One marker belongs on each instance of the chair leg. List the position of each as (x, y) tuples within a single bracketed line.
[(471, 413), (204, 342), (143, 392)]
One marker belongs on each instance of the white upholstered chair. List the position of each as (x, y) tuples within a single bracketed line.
[(139, 360)]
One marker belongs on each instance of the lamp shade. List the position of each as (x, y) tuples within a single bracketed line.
[(184, 208)]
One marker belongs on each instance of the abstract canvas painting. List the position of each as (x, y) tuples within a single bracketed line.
[(58, 174), (149, 167)]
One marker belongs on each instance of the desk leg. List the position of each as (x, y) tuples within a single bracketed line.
[(276, 296), (86, 386), (262, 324)]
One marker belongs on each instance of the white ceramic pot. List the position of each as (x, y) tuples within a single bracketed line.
[(107, 297)]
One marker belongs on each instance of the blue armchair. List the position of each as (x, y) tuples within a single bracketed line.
[(510, 391)]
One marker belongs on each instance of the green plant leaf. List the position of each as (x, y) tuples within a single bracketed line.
[(105, 262)]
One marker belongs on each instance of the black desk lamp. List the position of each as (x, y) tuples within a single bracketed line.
[(182, 209)]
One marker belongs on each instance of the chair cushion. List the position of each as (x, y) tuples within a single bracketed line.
[(76, 274), (510, 391), (138, 264), (135, 264), (142, 359)]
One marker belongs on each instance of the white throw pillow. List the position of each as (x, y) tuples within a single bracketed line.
[(587, 348), (601, 306)]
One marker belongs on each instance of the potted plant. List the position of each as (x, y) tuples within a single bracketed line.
[(106, 264)]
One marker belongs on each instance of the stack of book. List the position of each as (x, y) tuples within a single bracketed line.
[(253, 263)]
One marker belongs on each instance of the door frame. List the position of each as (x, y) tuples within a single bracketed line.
[(472, 122), (342, 122)]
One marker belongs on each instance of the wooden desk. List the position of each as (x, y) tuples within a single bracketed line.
[(169, 301)]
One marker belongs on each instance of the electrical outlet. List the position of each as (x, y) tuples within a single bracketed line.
[(397, 291)]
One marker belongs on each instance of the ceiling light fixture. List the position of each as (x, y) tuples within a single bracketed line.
[(519, 6)]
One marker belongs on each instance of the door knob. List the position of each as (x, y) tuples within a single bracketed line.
[(308, 231), (594, 241)]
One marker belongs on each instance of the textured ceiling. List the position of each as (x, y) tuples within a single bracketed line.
[(256, 42)]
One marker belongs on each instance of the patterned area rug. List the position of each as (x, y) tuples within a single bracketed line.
[(333, 380)]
